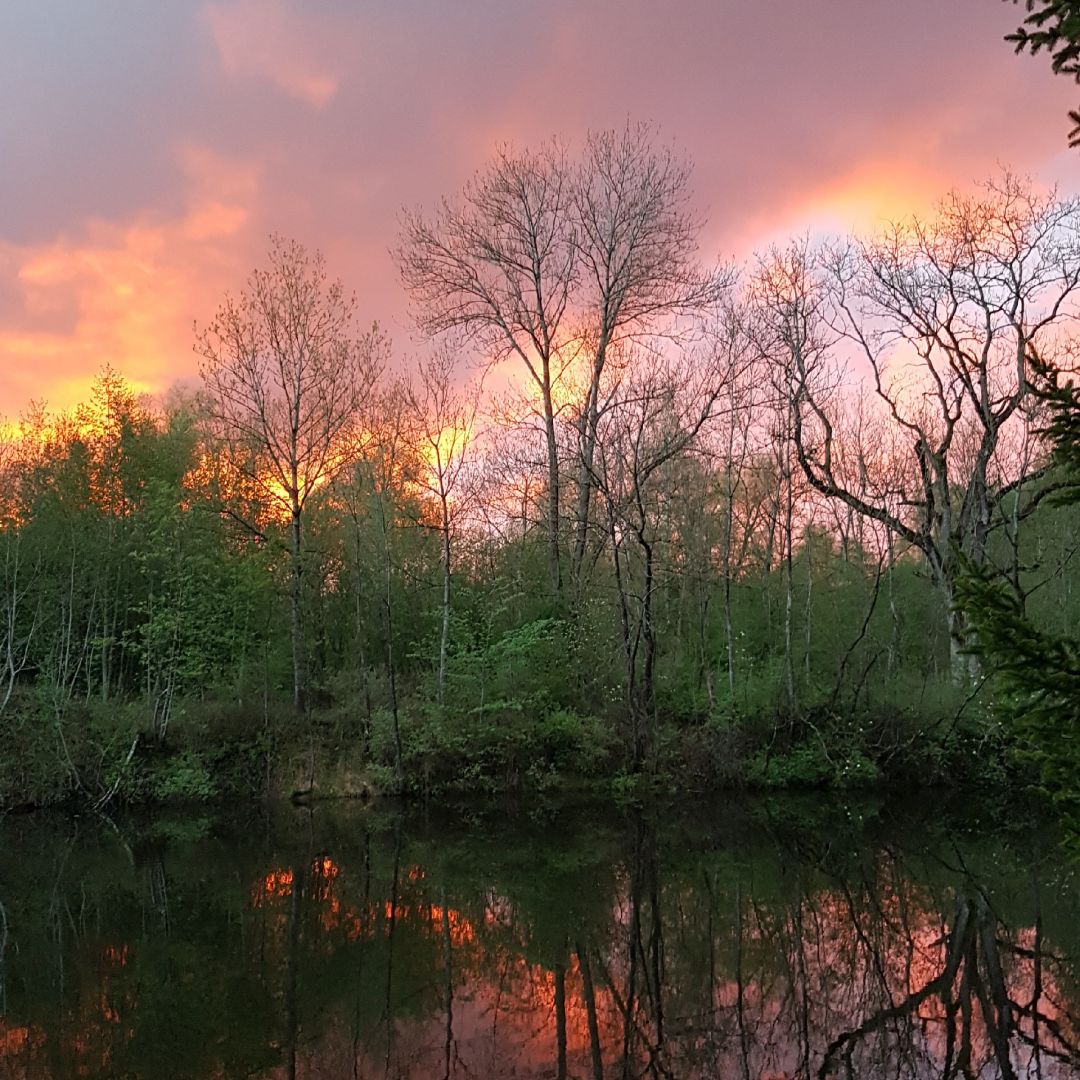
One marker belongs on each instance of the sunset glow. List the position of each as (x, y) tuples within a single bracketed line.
[(188, 136)]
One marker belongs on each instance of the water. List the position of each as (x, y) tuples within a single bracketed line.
[(745, 940)]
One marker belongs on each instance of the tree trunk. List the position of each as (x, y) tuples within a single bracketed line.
[(296, 614), (388, 613), (448, 947), (729, 539), (589, 994), (554, 563), (444, 640), (809, 607), (648, 636), (590, 422), (789, 661), (560, 1021), (963, 665)]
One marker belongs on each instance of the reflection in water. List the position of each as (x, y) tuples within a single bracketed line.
[(375, 945)]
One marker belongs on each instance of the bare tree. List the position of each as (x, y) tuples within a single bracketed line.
[(945, 315), (565, 264), (288, 371), (649, 419), (741, 395), (708, 543), (640, 279), (444, 418), (19, 617), (500, 266), (369, 494), (793, 340)]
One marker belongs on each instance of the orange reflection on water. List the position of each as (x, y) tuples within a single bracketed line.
[(278, 883), (19, 1040), (335, 915), (857, 969), (87, 1047), (684, 982), (431, 918)]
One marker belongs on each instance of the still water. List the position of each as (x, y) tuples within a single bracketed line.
[(761, 940)]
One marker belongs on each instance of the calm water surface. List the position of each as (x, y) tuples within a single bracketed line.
[(758, 940)]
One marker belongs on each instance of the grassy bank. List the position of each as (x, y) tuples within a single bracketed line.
[(106, 753)]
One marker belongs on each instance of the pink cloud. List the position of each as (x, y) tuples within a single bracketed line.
[(267, 39), (138, 198)]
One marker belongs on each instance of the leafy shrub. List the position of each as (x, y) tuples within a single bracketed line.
[(185, 777), (808, 765), (581, 745)]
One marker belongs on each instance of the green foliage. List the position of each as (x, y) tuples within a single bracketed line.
[(812, 765), (1062, 398), (484, 751), (1039, 673), (32, 771), (1037, 669), (143, 607), (575, 744), (185, 778)]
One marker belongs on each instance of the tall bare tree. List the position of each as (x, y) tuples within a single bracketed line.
[(288, 371), (636, 233), (500, 265), (654, 415), (444, 419), (19, 621), (794, 341), (565, 263)]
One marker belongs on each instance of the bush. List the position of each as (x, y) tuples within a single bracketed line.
[(581, 745), (184, 777), (808, 765)]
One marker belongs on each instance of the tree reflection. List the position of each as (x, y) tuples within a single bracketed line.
[(383, 947), (977, 1002)]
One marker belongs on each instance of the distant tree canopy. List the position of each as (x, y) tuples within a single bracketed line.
[(1053, 26)]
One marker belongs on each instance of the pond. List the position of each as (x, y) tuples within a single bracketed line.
[(750, 939)]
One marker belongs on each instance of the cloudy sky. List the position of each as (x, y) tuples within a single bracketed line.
[(147, 149)]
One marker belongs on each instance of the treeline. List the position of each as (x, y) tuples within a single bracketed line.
[(701, 524)]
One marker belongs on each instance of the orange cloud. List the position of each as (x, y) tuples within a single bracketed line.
[(123, 294), (868, 195), (871, 194)]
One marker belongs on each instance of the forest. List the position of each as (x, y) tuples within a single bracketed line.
[(623, 518)]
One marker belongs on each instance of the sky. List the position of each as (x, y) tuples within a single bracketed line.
[(149, 149)]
